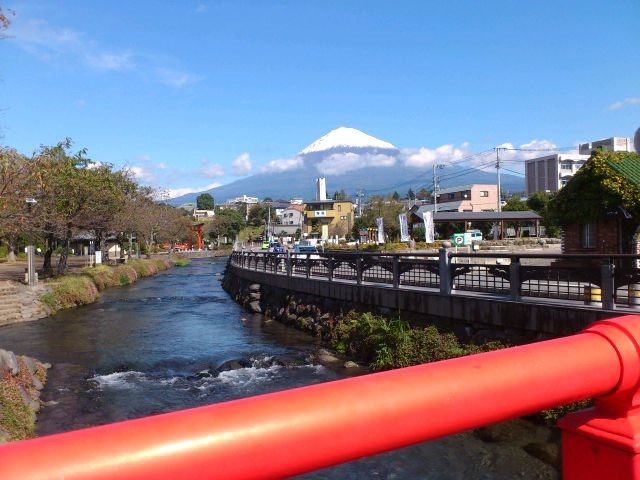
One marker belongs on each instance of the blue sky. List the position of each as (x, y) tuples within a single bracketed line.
[(191, 94)]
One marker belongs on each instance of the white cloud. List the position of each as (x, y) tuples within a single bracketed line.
[(51, 43), (627, 102), (176, 78), (177, 192), (241, 164), (110, 61), (423, 157), (140, 173), (341, 163), (282, 165), (212, 171), (143, 157), (54, 44), (202, 8)]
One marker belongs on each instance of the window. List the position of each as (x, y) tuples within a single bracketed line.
[(566, 165), (589, 235), (484, 193), (339, 208), (452, 195)]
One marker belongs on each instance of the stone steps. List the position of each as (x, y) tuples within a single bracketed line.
[(21, 302)]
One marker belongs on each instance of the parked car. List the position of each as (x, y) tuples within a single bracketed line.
[(276, 247), (305, 246)]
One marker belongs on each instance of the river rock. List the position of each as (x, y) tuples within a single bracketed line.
[(351, 364), (255, 306), (254, 295), (254, 287), (324, 356), (235, 364), (8, 361)]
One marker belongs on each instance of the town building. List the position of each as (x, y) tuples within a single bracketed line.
[(551, 172), (206, 214), (289, 221), (612, 144), (324, 218), (465, 198)]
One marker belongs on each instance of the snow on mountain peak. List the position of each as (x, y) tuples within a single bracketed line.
[(346, 137)]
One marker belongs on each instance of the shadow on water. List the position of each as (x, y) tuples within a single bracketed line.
[(177, 340)]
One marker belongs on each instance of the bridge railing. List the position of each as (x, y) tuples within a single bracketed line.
[(605, 281), (291, 432)]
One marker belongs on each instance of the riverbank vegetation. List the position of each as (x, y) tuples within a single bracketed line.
[(391, 343), (82, 288), (21, 380)]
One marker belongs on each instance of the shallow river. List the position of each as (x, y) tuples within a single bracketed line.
[(177, 340)]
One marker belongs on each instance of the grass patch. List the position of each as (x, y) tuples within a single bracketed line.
[(71, 291), (181, 261)]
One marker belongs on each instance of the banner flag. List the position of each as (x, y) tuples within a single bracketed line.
[(404, 228), (380, 230), (429, 233)]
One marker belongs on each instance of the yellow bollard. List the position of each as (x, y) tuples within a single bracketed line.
[(593, 296), (634, 295)]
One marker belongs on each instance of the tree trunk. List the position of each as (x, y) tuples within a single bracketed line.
[(47, 270), (11, 251), (64, 255)]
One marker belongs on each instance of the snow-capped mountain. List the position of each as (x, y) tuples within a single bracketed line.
[(350, 160), (346, 138)]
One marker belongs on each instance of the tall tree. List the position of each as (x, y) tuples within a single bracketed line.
[(15, 212), (205, 201)]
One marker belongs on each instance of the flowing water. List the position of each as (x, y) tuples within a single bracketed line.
[(177, 340)]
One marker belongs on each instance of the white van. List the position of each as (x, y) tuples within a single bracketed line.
[(471, 236)]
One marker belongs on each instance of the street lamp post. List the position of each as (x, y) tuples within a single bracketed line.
[(31, 271)]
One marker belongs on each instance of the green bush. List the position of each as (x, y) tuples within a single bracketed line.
[(387, 344)]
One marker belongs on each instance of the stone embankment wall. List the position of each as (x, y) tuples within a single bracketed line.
[(306, 312), (21, 381)]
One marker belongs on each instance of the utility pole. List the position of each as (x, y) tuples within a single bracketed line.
[(498, 170), (360, 196), (436, 186)]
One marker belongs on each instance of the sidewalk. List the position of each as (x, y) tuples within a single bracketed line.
[(15, 271)]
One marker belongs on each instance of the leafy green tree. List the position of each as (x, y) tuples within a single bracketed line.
[(226, 223), (205, 201), (423, 194), (388, 210), (340, 196), (16, 216), (540, 203)]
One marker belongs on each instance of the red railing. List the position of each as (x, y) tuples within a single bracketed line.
[(291, 432)]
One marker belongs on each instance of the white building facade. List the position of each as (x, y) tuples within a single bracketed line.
[(551, 172)]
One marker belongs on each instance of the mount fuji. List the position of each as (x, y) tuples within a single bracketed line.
[(350, 160)]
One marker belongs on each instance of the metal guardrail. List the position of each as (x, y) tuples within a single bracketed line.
[(606, 281)]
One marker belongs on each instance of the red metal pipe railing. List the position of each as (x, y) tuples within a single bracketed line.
[(290, 432)]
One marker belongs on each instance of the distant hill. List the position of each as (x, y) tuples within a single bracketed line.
[(350, 160)]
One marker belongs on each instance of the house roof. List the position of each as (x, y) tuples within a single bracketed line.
[(480, 216), (627, 166)]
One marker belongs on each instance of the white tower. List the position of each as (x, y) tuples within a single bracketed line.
[(321, 188)]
